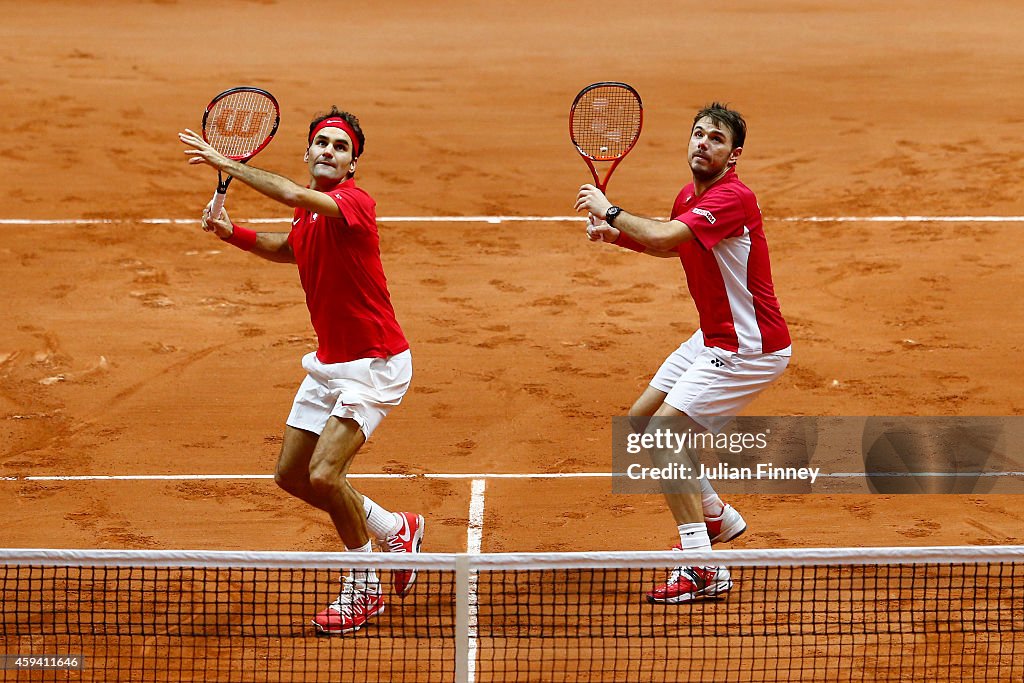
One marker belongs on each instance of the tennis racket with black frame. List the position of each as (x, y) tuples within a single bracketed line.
[(604, 124), (239, 123)]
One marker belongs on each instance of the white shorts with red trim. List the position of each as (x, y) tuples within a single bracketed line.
[(363, 390), (712, 385)]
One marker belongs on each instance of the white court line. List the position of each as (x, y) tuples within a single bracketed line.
[(479, 477), (181, 477), (474, 541), (511, 219), (899, 219), (878, 475), (518, 475), (474, 536)]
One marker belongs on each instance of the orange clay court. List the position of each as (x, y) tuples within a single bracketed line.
[(133, 347)]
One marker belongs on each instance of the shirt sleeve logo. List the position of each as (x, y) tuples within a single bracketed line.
[(707, 214)]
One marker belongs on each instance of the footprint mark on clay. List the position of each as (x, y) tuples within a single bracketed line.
[(921, 528), (558, 301), (153, 299), (503, 286), (858, 511), (538, 390), (441, 411), (501, 340), (589, 279), (150, 276)]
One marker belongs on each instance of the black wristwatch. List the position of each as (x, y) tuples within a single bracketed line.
[(611, 214)]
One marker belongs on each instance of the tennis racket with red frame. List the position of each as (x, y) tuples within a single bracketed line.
[(239, 123), (604, 124)]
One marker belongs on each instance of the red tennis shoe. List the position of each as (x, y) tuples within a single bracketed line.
[(726, 526), (407, 539), (686, 584), (349, 612)]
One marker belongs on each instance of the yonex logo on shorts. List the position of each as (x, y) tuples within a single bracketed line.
[(707, 214), (717, 362)]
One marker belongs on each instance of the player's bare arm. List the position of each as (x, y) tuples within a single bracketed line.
[(276, 187), (272, 246), (661, 237), (600, 231), (657, 235)]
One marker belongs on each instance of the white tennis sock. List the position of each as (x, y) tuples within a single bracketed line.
[(709, 500), (365, 579), (379, 521), (694, 536)]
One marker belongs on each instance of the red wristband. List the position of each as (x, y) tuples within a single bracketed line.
[(627, 242), (243, 238)]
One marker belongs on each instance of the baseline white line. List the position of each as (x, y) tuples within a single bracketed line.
[(517, 475), (879, 475), (900, 219), (184, 477), (511, 219), (477, 477)]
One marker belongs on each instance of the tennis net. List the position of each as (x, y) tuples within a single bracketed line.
[(864, 614)]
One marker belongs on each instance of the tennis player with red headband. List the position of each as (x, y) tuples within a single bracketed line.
[(362, 366)]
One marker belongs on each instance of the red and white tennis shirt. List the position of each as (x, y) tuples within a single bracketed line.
[(342, 275), (728, 270)]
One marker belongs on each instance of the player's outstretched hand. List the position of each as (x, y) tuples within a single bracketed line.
[(200, 151), (220, 225)]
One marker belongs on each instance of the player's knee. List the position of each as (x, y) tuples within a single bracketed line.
[(638, 418), (325, 481), (290, 481)]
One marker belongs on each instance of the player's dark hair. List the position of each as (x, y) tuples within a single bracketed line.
[(350, 119), (721, 115)]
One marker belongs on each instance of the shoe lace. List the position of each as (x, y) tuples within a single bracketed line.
[(346, 598), (693, 574), (349, 600)]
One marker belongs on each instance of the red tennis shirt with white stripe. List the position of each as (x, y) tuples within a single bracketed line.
[(342, 275), (728, 270)]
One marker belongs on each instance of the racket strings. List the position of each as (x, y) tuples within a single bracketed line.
[(606, 122), (239, 124)]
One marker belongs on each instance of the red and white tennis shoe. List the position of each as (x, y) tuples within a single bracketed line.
[(349, 612), (407, 539), (726, 526), (686, 584)]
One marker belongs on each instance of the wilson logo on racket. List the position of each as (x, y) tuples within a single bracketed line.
[(240, 123)]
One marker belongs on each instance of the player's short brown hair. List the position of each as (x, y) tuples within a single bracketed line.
[(350, 119), (723, 116)]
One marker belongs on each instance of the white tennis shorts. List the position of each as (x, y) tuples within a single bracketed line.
[(712, 385), (363, 390)]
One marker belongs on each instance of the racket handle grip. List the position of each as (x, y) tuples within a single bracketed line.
[(217, 204)]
